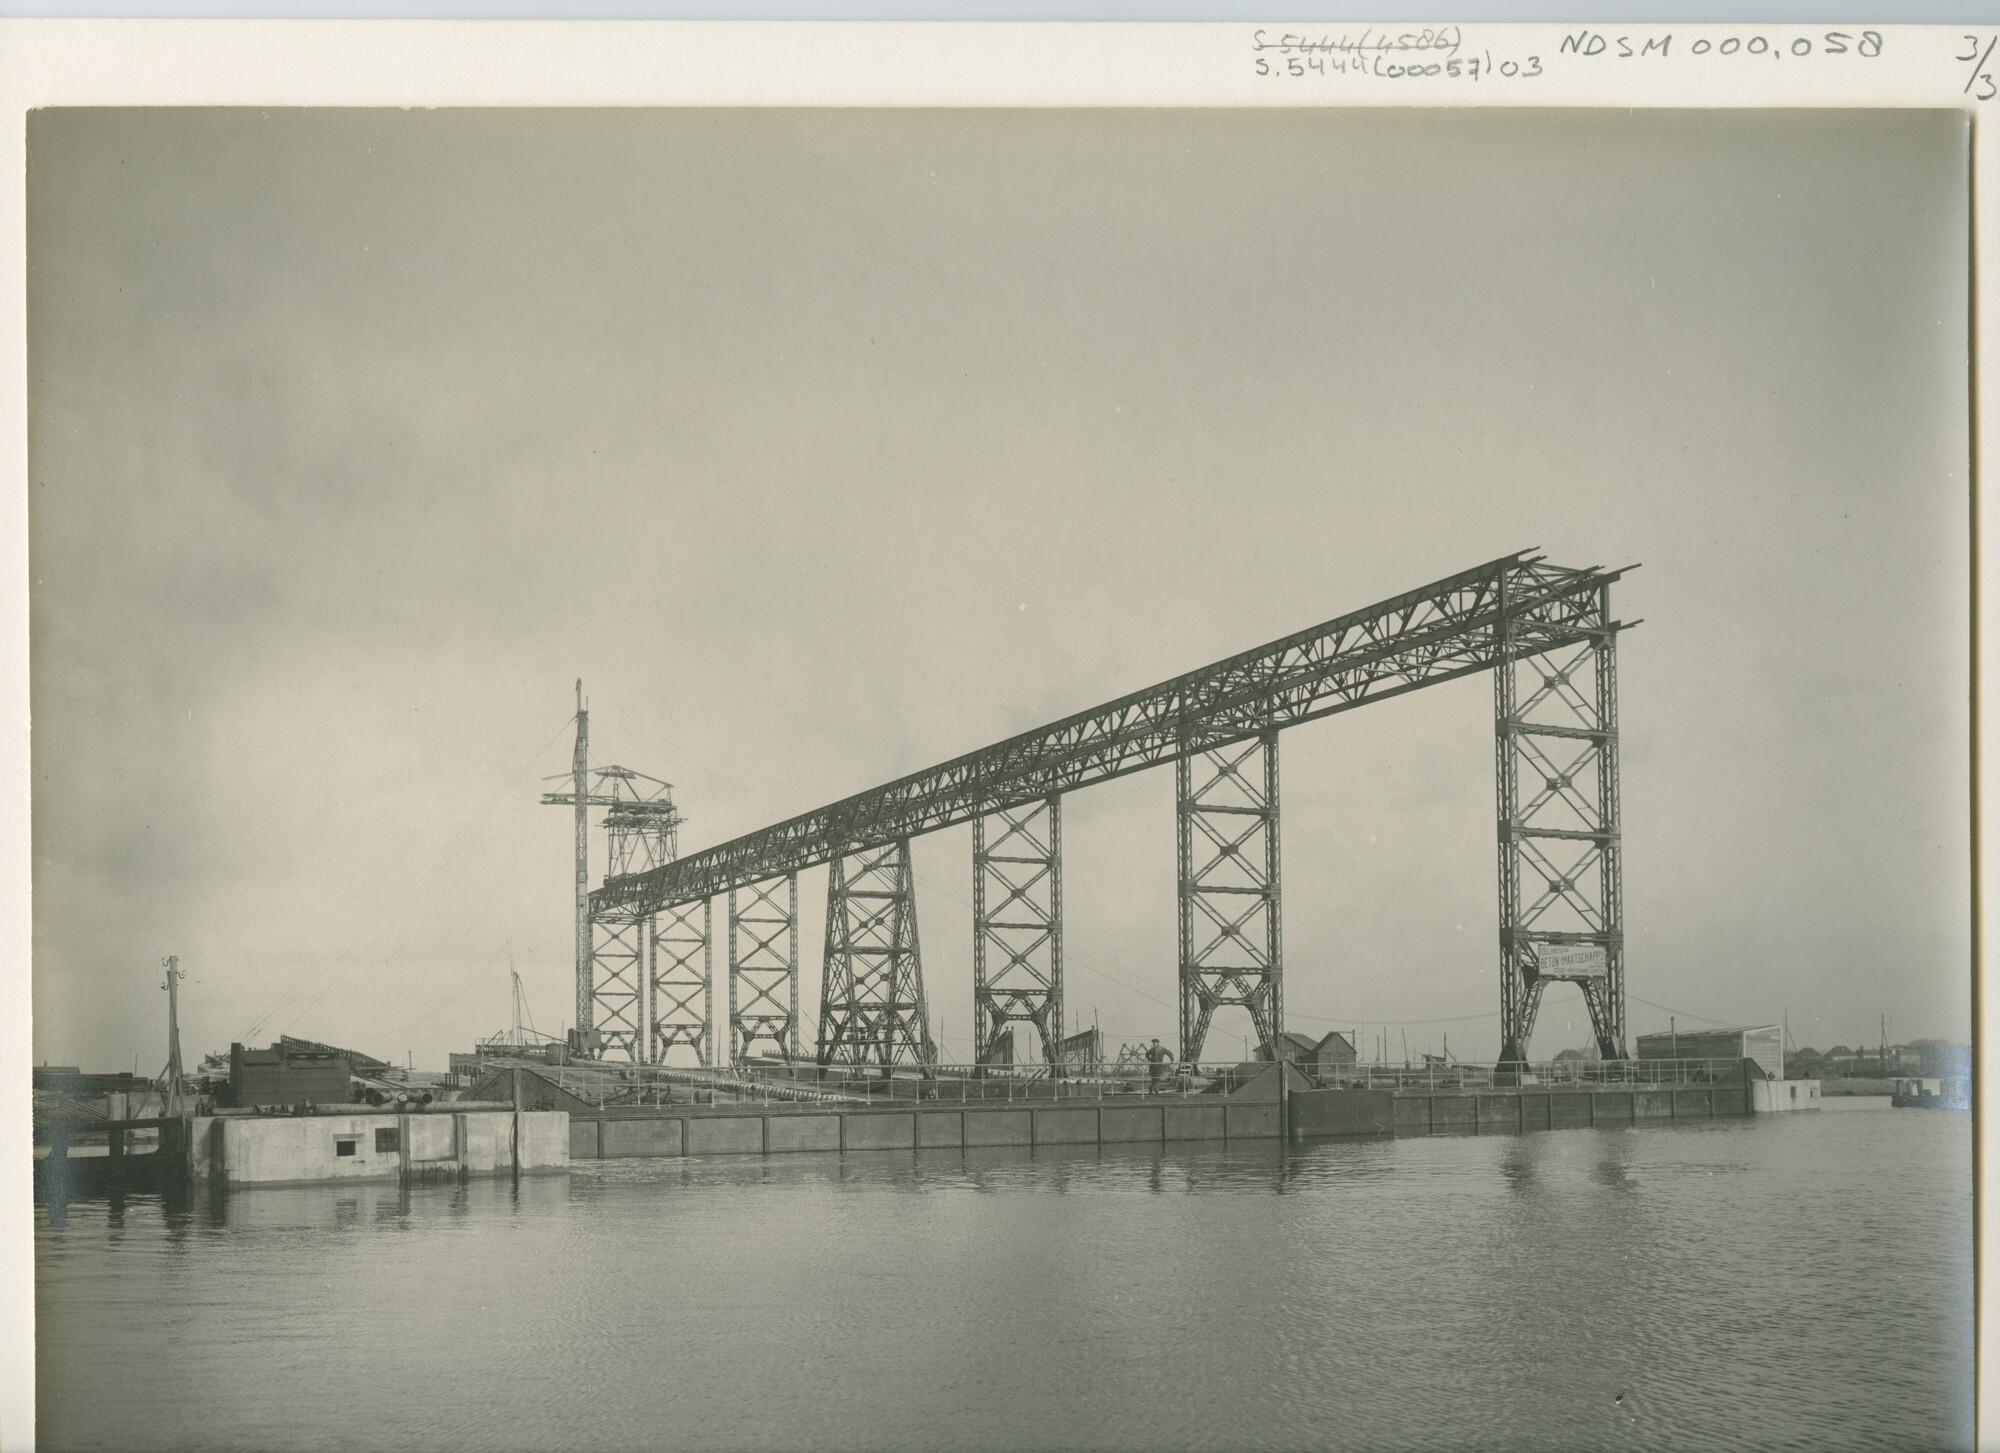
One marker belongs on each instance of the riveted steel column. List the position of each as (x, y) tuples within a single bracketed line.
[(1017, 924), (872, 1005), (1231, 942), (764, 968), (1556, 773), (683, 991)]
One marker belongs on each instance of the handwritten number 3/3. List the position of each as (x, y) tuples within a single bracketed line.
[(1980, 75)]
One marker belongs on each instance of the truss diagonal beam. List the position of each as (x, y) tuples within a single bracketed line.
[(1516, 605)]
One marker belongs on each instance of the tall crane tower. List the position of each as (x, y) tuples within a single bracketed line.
[(614, 947), (172, 1099)]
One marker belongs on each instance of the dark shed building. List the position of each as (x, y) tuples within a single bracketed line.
[(1331, 1054), (288, 1074)]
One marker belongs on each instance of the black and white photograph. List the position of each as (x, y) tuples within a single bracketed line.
[(808, 777)]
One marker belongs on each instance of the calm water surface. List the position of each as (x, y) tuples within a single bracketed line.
[(1783, 1282)]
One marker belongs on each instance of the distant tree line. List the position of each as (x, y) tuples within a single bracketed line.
[(1931, 1058)]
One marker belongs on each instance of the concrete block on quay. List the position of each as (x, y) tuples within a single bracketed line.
[(488, 1138), (544, 1142), (431, 1138), (242, 1150), (291, 1150), (1774, 1096)]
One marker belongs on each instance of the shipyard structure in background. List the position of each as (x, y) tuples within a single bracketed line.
[(648, 940)]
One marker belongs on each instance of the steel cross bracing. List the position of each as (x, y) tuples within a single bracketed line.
[(1230, 920), (872, 1009), (764, 968), (1444, 630), (683, 1003), (618, 959), (1561, 890), (1017, 925)]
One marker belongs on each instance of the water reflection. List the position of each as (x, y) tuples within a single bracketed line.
[(1611, 1288), (1612, 1169), (1517, 1163), (1059, 1170)]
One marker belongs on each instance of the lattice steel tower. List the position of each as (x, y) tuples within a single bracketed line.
[(1017, 925), (614, 941), (683, 997), (872, 1008), (764, 967), (1561, 891), (1230, 908)]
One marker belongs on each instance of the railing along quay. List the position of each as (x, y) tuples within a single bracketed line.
[(610, 1086), (1087, 1082), (1557, 1074)]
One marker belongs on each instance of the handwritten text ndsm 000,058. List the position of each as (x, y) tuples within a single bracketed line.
[(1436, 53), (1590, 44)]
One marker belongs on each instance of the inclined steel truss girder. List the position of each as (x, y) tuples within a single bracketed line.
[(764, 967), (872, 1009), (617, 984), (1444, 630), (683, 993), (1017, 925), (1561, 884), (1231, 942)]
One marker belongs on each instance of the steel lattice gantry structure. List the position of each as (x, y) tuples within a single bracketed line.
[(1545, 631), (618, 975)]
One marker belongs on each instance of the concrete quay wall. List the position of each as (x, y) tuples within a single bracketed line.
[(755, 1130), (1418, 1112), (778, 1128), (243, 1150)]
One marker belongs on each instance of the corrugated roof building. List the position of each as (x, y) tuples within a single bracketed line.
[(1764, 1043)]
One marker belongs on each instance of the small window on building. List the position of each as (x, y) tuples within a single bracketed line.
[(385, 1139), (343, 1147)]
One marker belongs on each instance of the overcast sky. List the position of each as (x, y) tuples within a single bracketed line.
[(827, 445)]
